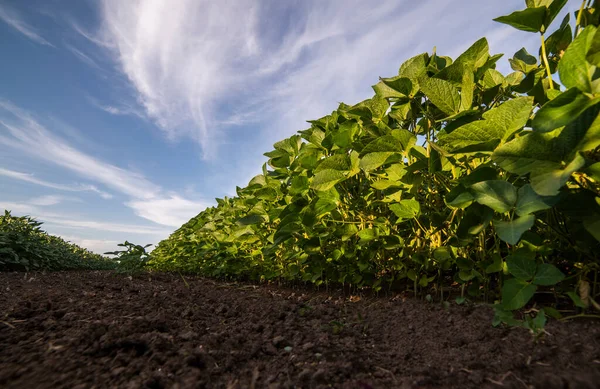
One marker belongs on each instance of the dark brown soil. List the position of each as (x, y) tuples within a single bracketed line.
[(101, 330)]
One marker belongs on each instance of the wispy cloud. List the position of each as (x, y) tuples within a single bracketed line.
[(99, 246), (169, 211), (197, 66), (48, 200), (69, 188), (147, 199), (83, 57), (117, 110), (71, 221), (13, 19), (29, 136)]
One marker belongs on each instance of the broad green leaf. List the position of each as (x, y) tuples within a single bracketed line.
[(529, 201), (476, 55), (395, 172), (498, 124), (516, 293), (326, 179), (384, 184), (530, 19), (442, 94), (548, 275), (551, 157), (521, 266), (459, 197), (573, 68), (466, 90), (471, 137), (523, 62), (251, 219), (406, 209), (496, 266), (499, 195), (562, 110), (593, 54), (415, 67), (511, 231), (368, 234), (406, 138), (372, 161), (483, 173), (339, 162), (299, 185), (554, 7), (577, 300), (386, 143), (491, 78), (399, 87), (510, 116)]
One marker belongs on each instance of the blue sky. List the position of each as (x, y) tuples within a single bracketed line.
[(123, 119)]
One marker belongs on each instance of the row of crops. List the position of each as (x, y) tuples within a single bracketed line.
[(452, 176), (24, 246)]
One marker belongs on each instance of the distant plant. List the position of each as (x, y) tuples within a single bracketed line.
[(131, 260), (25, 246)]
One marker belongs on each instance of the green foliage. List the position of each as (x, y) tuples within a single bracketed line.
[(131, 260), (451, 173), (24, 246)]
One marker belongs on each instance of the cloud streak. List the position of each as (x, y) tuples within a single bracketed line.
[(14, 20), (148, 200), (28, 177)]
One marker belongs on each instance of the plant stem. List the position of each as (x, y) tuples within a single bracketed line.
[(545, 59), (578, 21)]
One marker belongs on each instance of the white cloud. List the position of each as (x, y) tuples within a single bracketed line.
[(46, 200), (71, 221), (69, 188), (13, 19), (82, 56), (29, 136), (148, 200), (169, 211), (99, 246)]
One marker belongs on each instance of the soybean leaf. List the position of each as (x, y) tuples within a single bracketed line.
[(510, 116), (551, 157), (368, 234), (521, 266), (516, 293), (574, 70), (593, 54), (548, 275), (511, 231), (251, 219), (372, 161), (442, 94), (530, 202), (406, 209), (523, 62), (459, 197), (530, 19), (577, 300), (326, 179), (562, 110), (499, 195)]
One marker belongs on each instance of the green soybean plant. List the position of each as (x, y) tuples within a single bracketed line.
[(452, 174)]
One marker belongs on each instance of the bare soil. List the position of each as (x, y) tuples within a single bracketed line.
[(103, 330)]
